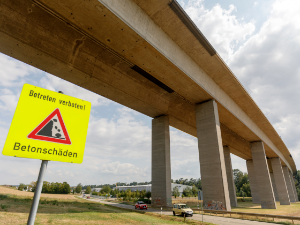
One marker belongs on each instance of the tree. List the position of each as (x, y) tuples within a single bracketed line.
[(246, 189), (32, 185), (148, 194), (105, 190), (241, 179), (21, 187), (25, 188), (175, 192), (143, 194), (187, 192), (238, 175), (195, 191), (88, 190), (45, 188), (66, 189), (78, 188)]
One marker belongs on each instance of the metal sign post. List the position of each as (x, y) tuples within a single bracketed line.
[(200, 197), (37, 193), (49, 121)]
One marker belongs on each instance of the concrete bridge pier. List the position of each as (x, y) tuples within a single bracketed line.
[(289, 183), (230, 179), (262, 174), (274, 187), (211, 156), (294, 187), (280, 183), (252, 181), (161, 163)]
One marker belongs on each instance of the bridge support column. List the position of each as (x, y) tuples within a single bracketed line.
[(262, 174), (161, 163), (230, 179), (252, 181), (211, 156), (294, 187), (288, 183), (280, 183), (274, 187)]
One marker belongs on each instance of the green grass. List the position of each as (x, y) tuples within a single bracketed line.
[(15, 209)]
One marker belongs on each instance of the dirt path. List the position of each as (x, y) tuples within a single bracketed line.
[(6, 190)]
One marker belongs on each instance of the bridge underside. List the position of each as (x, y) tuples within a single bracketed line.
[(85, 43), (114, 62)]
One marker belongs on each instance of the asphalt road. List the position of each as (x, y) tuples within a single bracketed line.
[(206, 218)]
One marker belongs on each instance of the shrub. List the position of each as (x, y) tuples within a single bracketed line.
[(147, 201)]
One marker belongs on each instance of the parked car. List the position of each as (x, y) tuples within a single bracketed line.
[(141, 205), (88, 197), (182, 209)]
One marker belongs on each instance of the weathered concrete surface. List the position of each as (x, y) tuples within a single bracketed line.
[(230, 179), (288, 183), (211, 156), (95, 44), (253, 183), (294, 187), (274, 187), (280, 183), (262, 174), (161, 163)]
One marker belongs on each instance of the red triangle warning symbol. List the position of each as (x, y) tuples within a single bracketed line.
[(52, 129)]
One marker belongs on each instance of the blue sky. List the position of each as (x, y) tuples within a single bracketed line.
[(260, 42)]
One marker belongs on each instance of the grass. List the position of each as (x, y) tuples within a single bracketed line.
[(246, 205), (15, 209)]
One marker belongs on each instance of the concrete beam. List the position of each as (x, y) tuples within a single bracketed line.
[(94, 46), (280, 183), (288, 182), (161, 163), (262, 174), (253, 183), (211, 155), (230, 179), (144, 25)]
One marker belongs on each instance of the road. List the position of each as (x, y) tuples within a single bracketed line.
[(206, 218)]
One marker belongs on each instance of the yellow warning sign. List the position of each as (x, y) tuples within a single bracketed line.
[(49, 126)]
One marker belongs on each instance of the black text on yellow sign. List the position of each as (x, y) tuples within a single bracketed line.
[(48, 125)]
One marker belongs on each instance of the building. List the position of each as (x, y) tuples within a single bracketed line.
[(147, 187), (96, 189)]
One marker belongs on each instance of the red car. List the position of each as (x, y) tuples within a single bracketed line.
[(141, 205)]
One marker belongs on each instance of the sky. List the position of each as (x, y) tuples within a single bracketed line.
[(259, 41)]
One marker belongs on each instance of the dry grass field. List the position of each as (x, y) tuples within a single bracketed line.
[(67, 209), (287, 210), (10, 191), (247, 206)]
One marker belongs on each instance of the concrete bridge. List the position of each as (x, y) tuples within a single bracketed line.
[(149, 56)]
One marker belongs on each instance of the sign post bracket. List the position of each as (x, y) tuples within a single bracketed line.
[(37, 193)]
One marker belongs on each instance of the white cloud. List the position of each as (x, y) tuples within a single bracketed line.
[(8, 102), (268, 66), (119, 147), (220, 26), (13, 72)]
